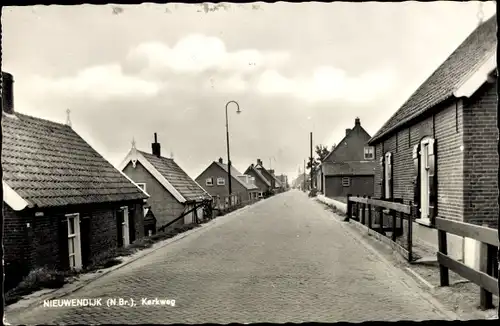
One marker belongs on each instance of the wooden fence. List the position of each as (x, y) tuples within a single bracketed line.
[(487, 276), (223, 203), (363, 210)]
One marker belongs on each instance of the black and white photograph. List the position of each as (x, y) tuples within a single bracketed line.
[(281, 162)]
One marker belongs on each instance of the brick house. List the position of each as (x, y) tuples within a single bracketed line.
[(173, 194), (262, 183), (269, 175), (63, 203), (439, 150), (350, 167), (214, 179)]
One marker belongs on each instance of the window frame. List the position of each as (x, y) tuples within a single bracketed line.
[(75, 257), (211, 179), (369, 150), (219, 183), (346, 184)]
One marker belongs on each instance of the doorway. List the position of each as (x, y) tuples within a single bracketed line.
[(424, 180)]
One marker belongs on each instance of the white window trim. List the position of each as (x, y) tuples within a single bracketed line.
[(125, 226), (369, 150), (76, 237), (142, 185), (221, 181), (211, 183), (346, 182)]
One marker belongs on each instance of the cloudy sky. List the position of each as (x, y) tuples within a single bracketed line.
[(293, 68)]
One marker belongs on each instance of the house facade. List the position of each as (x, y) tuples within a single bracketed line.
[(262, 183), (174, 196), (214, 179), (63, 203), (275, 184), (350, 167), (439, 150)]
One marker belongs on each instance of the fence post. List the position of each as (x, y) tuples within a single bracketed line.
[(358, 215), (369, 215), (394, 226), (363, 212), (485, 266), (349, 208), (381, 220), (444, 275), (410, 235)]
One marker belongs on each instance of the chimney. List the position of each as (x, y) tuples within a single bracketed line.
[(252, 165), (7, 93), (259, 161), (347, 131), (220, 160), (156, 147), (271, 171), (357, 122)]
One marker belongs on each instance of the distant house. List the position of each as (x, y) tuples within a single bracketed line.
[(173, 194), (215, 181), (350, 167), (262, 183), (64, 204), (283, 180), (439, 150), (269, 175)]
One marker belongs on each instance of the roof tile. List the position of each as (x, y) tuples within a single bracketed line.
[(442, 83), (170, 170), (49, 164)]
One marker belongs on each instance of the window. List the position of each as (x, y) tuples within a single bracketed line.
[(142, 186), (221, 181), (346, 181), (75, 260), (209, 181), (369, 153), (125, 226)]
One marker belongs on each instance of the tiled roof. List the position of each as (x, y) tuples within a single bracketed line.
[(269, 175), (349, 168), (440, 85), (261, 177), (236, 174), (48, 164), (187, 187)]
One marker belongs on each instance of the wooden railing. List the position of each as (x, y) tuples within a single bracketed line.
[(223, 203), (487, 276), (361, 209)]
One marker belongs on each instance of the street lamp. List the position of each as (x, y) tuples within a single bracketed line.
[(227, 140)]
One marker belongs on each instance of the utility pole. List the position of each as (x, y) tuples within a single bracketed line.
[(312, 160)]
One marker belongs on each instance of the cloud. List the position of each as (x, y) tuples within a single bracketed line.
[(232, 84), (326, 84), (197, 53), (97, 82)]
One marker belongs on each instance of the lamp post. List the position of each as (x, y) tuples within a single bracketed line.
[(227, 141)]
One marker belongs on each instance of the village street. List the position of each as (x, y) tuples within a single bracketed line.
[(285, 259)]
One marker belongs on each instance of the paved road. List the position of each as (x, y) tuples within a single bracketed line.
[(282, 260)]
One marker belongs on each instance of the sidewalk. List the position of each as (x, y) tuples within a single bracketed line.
[(461, 297), (82, 280)]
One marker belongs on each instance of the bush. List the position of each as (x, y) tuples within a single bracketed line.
[(37, 279)]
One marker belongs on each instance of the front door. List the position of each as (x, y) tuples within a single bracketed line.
[(424, 181), (74, 241), (125, 227), (85, 243)]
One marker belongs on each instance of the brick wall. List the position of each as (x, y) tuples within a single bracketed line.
[(351, 148), (481, 161), (14, 236), (164, 205), (215, 172), (443, 127), (258, 182)]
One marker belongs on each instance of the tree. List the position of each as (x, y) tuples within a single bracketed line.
[(321, 153)]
